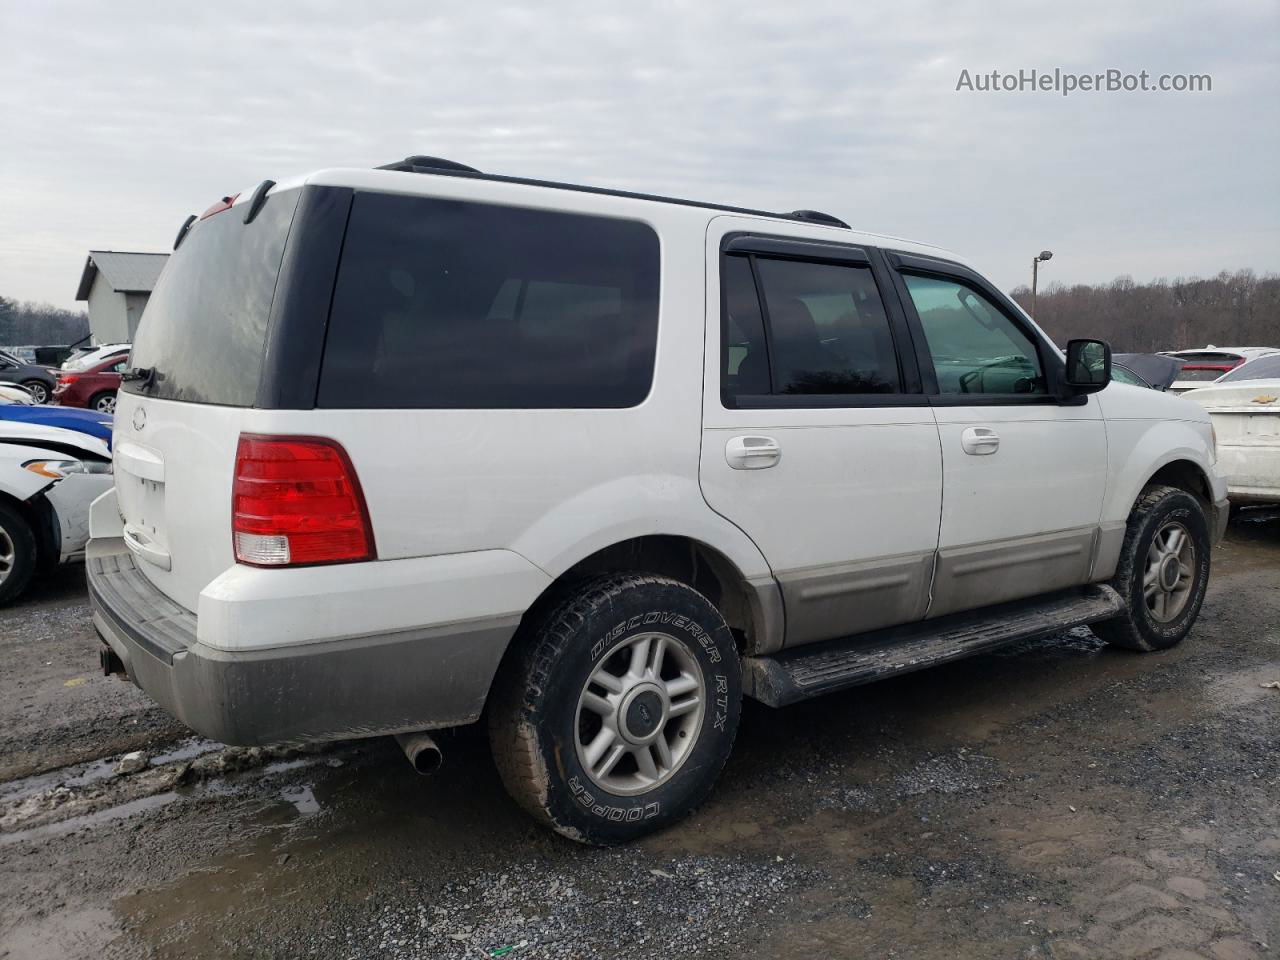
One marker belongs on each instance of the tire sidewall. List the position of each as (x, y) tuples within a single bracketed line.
[(574, 799), (24, 554), (1182, 508)]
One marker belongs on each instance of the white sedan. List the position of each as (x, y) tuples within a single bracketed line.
[(1244, 406), (48, 478)]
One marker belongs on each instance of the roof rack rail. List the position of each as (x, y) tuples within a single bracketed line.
[(451, 168), (817, 216), (420, 164)]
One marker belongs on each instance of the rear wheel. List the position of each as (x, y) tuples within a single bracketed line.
[(17, 553), (1162, 573), (39, 392), (616, 716), (104, 402)]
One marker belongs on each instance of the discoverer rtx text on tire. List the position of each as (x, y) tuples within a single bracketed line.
[(616, 714)]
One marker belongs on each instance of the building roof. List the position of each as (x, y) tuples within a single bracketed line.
[(125, 272)]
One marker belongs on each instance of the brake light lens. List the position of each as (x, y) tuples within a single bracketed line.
[(296, 501)]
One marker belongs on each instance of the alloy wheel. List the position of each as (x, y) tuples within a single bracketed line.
[(1169, 574), (8, 554), (639, 714)]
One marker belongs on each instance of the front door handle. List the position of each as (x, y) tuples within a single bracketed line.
[(980, 441), (752, 453)]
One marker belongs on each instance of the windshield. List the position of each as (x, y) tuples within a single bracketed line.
[(204, 328)]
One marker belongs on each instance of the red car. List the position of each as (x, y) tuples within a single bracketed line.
[(94, 388)]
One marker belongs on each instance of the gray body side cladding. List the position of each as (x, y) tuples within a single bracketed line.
[(332, 690)]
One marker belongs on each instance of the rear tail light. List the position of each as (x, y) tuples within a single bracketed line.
[(297, 501), (66, 379)]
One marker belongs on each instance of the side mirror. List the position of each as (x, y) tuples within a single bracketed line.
[(1088, 365)]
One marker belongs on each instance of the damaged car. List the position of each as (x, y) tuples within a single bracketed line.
[(48, 477)]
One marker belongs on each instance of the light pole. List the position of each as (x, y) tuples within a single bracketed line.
[(1035, 275)]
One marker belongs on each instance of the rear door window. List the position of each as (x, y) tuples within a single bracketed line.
[(827, 330), (450, 304)]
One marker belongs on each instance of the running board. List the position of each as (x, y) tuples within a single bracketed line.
[(812, 670)]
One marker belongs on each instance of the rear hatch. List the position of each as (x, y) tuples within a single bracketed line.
[(1244, 411), (1204, 366), (196, 366)]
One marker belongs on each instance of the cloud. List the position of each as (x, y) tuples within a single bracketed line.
[(122, 118)]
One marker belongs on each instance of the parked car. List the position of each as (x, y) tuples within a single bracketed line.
[(13, 394), (1245, 408), (463, 468), (23, 409), (52, 356), (1200, 367), (1155, 371), (94, 387), (48, 478), (36, 379), (25, 354), (89, 356)]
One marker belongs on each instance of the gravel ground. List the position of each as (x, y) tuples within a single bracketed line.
[(1055, 799)]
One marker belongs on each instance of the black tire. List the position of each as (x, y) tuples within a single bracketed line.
[(536, 718), (38, 389), (1139, 628), (98, 398), (17, 553)]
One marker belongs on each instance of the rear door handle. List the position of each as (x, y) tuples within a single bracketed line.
[(752, 453), (980, 441), (142, 546)]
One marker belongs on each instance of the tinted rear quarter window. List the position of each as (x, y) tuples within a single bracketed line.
[(204, 328), (451, 304)]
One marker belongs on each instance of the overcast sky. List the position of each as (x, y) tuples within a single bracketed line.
[(121, 118)]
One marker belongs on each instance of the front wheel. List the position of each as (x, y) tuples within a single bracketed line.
[(1162, 573), (17, 553), (616, 716), (39, 392)]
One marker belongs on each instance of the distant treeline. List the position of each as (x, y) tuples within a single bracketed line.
[(1240, 309), (40, 324)]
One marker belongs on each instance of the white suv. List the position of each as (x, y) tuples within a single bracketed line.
[(406, 447)]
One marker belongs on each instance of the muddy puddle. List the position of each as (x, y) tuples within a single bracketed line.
[(1055, 799)]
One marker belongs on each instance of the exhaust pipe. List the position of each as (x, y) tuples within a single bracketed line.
[(111, 662), (423, 753)]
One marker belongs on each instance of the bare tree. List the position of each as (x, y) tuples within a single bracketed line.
[(1232, 309)]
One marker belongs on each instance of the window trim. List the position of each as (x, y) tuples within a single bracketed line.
[(749, 246), (1052, 366)]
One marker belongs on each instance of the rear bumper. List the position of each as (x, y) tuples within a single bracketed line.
[(330, 690), (1252, 471)]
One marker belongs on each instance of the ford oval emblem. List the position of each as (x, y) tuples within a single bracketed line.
[(139, 418)]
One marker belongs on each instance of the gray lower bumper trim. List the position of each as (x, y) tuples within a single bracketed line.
[(334, 690), (1221, 514)]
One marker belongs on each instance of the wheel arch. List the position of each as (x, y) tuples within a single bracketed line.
[(751, 607), (1178, 453), (1186, 475), (39, 514)]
